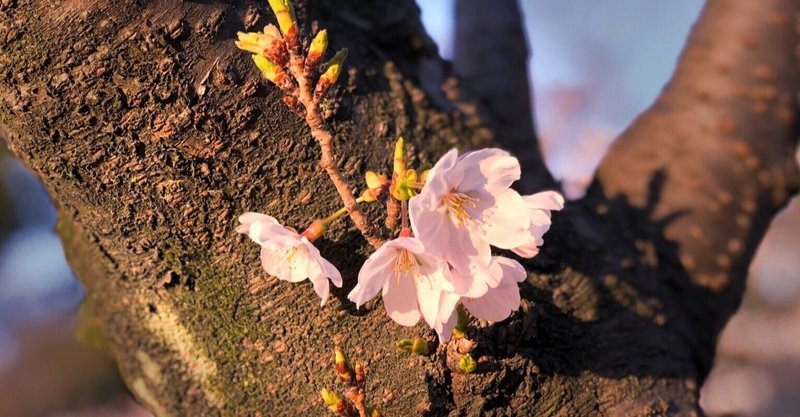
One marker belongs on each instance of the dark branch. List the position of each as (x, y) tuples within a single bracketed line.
[(491, 57), (720, 144)]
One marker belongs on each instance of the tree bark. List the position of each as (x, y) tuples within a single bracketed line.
[(152, 133), (491, 60)]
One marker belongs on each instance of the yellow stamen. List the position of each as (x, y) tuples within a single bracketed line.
[(406, 264), (457, 204)]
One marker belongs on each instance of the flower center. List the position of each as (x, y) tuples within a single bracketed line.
[(457, 204), (289, 256), (406, 264)]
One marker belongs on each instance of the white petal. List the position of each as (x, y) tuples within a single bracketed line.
[(493, 170), (275, 263), (400, 300), (253, 217)]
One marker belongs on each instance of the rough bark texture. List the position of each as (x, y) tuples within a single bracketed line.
[(152, 133)]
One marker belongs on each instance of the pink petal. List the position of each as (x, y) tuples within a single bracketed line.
[(400, 300), (328, 270), (322, 288), (429, 291), (528, 250), (444, 176), (498, 303), (448, 317), (492, 170), (506, 224), (430, 225), (373, 274), (512, 270), (546, 200), (470, 257)]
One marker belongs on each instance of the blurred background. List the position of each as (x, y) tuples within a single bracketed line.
[(595, 66)]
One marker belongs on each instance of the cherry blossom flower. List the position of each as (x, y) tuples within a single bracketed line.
[(412, 281), (289, 255), (539, 207), (495, 305), (467, 205)]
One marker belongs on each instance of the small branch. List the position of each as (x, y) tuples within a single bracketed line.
[(358, 399), (392, 211), (324, 137)]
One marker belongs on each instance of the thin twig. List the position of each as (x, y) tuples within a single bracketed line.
[(324, 137), (392, 210)]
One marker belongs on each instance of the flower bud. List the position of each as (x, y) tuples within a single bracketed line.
[(377, 184), (343, 368), (376, 413), (467, 364), (284, 13), (331, 400), (361, 376), (399, 156), (405, 345), (268, 68), (332, 70), (417, 346), (405, 185), (316, 52), (461, 324)]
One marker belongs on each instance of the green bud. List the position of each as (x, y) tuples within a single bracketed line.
[(463, 321), (405, 345), (331, 400), (284, 13), (467, 364), (319, 44), (268, 68), (405, 185), (417, 346), (334, 66), (342, 365), (399, 156)]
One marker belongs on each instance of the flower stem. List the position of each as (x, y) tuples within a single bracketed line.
[(404, 214), (339, 213)]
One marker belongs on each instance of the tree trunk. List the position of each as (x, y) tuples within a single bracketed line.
[(152, 132)]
